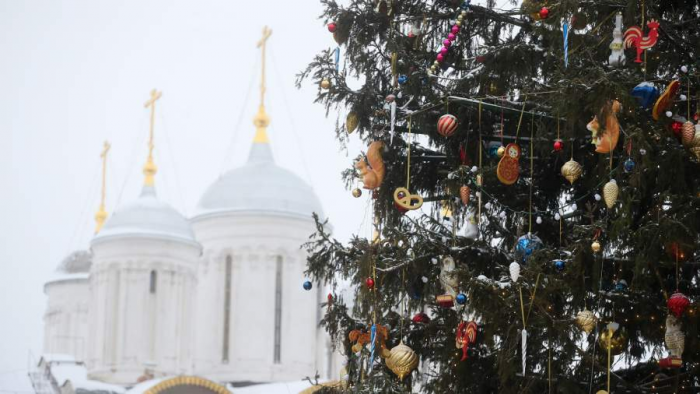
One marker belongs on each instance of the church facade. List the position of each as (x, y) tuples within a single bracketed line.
[(215, 298)]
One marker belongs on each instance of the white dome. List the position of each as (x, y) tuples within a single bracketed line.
[(260, 186), (147, 217)]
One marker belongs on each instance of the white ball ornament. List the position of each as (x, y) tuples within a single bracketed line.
[(597, 197), (684, 69), (642, 152), (538, 220), (557, 216), (683, 97), (475, 169), (574, 206), (669, 114)]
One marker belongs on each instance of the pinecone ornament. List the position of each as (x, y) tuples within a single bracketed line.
[(688, 133), (464, 192), (610, 192)]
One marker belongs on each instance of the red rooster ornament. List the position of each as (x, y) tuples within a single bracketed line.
[(634, 38)]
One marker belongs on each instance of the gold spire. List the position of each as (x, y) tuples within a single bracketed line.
[(101, 215), (261, 120), (150, 168)]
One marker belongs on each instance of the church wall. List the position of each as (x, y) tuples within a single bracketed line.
[(136, 325), (66, 317), (254, 242)]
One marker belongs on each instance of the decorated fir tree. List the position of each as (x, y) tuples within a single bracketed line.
[(534, 181)]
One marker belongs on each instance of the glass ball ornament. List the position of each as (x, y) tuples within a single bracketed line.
[(560, 265), (684, 69), (501, 151), (629, 165), (621, 286), (370, 283), (461, 299), (402, 79), (325, 84), (308, 285), (544, 13), (595, 246), (558, 145), (332, 27), (356, 192), (527, 244)]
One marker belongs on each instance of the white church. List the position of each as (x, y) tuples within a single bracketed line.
[(162, 303)]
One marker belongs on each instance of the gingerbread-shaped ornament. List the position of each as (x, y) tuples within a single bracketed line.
[(509, 168)]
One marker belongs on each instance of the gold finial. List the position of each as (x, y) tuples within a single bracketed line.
[(261, 120), (101, 215), (150, 169)]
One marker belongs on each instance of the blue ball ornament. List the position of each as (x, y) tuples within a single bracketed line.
[(527, 244), (629, 165), (621, 286), (560, 265), (461, 299), (646, 94), (465, 5), (402, 79), (493, 149), (308, 285)]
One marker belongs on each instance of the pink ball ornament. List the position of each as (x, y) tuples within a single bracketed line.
[(451, 37), (455, 29), (447, 43), (332, 27), (440, 58), (444, 50)]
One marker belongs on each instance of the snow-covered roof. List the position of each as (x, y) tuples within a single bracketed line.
[(59, 277), (52, 357), (146, 217), (259, 186), (75, 374)]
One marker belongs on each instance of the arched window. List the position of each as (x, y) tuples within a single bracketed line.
[(153, 282), (227, 309), (278, 311)]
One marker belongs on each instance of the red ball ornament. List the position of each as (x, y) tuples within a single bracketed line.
[(678, 303), (447, 124), (330, 298), (677, 128), (558, 145), (370, 283), (421, 318), (544, 12), (332, 26)]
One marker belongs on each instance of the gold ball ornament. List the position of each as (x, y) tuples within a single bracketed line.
[(356, 192), (618, 341), (352, 121), (571, 170), (501, 151), (325, 84), (595, 246), (610, 192), (586, 320), (402, 361)]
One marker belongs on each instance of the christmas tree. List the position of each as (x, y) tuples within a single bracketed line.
[(534, 184)]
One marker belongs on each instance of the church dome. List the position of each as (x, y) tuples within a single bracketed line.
[(147, 217), (260, 186)]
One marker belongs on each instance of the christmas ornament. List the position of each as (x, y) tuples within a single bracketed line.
[(461, 299), (356, 193), (508, 168), (464, 193), (565, 33), (493, 148), (352, 121), (447, 42), (646, 94), (634, 38), (465, 336), (621, 286), (370, 283), (610, 192), (501, 151), (332, 27), (514, 269), (402, 360), (421, 318), (595, 246), (571, 170), (605, 139), (325, 84), (544, 12), (447, 124), (445, 300), (616, 343), (629, 165), (448, 276), (560, 265), (675, 342), (617, 57), (360, 337), (677, 304), (374, 176), (688, 133), (402, 79), (586, 320), (405, 200), (308, 285), (526, 245), (665, 101), (558, 145), (390, 98)]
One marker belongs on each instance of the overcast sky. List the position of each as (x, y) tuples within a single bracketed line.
[(76, 73)]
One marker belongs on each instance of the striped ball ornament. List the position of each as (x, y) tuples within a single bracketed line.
[(447, 124)]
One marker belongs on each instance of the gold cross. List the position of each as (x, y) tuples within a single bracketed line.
[(101, 214), (155, 95), (263, 45)]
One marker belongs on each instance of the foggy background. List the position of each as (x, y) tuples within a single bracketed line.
[(76, 73)]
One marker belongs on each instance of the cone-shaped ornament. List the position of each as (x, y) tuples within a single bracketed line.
[(351, 122), (688, 133), (464, 194), (610, 192), (514, 271)]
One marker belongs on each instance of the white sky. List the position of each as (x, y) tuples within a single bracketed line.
[(74, 73)]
